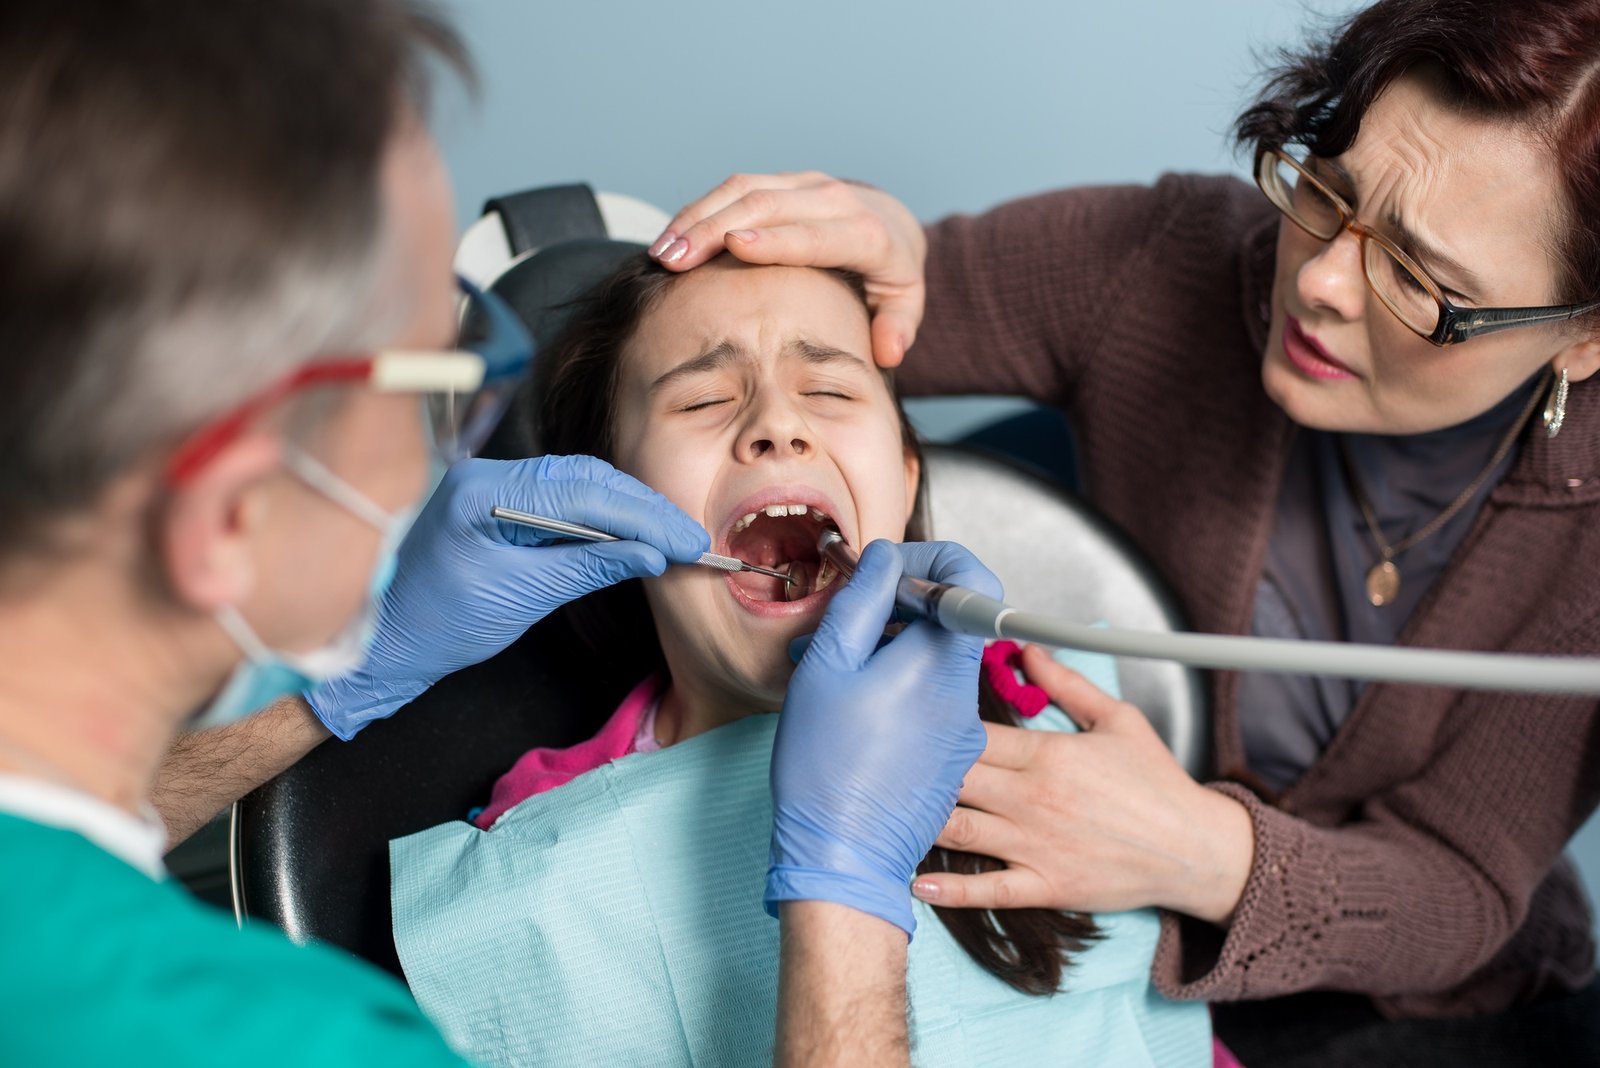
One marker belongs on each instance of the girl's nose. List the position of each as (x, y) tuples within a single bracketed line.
[(774, 429)]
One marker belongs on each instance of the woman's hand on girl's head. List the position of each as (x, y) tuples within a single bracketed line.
[(1100, 821), (808, 219)]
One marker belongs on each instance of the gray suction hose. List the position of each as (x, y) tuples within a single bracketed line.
[(965, 611)]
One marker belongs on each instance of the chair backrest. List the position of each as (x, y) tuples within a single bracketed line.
[(1057, 556), (310, 848)]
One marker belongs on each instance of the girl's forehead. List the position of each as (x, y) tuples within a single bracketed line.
[(762, 310)]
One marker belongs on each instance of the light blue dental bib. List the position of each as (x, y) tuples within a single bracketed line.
[(617, 920)]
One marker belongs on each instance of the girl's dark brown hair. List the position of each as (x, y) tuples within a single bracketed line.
[(1532, 62), (575, 383), (1028, 949)]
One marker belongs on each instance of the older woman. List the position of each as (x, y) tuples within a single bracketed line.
[(1356, 407)]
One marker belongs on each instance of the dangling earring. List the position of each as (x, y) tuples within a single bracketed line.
[(1555, 407)]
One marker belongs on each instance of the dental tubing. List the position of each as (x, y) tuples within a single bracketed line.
[(965, 611)]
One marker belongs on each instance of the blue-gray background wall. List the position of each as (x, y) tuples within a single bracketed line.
[(952, 106)]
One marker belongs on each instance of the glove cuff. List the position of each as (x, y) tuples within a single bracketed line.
[(891, 903), (344, 706)]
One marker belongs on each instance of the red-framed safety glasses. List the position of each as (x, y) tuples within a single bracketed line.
[(466, 390)]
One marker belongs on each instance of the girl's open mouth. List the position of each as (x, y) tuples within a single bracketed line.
[(783, 537)]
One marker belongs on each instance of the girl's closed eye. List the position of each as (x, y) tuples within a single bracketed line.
[(702, 405), (709, 394), (828, 386)]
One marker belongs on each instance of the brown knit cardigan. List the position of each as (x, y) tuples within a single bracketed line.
[(1419, 860)]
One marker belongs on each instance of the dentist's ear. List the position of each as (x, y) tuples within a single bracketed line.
[(208, 529)]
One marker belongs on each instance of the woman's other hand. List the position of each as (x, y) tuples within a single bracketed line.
[(1100, 821), (808, 219)]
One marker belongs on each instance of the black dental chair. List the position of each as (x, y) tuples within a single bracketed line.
[(309, 850)]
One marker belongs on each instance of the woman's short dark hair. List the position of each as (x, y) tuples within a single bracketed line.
[(1535, 62), (575, 383)]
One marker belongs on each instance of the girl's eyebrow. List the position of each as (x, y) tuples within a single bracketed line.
[(715, 358), (724, 353), (812, 352)]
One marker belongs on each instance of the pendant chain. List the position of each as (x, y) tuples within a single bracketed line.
[(1383, 581)]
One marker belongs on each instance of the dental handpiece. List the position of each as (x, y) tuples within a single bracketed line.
[(965, 611), (561, 528), (954, 608)]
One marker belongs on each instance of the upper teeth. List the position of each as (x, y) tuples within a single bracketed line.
[(778, 511)]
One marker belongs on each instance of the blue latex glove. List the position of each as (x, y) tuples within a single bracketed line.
[(874, 741), (468, 585)]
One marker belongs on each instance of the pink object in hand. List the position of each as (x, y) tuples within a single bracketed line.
[(1000, 663)]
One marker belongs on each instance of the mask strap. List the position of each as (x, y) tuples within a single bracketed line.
[(242, 634), (315, 474)]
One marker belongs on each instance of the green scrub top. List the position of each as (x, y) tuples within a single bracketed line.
[(99, 964)]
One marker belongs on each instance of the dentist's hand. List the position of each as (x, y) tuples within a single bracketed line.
[(873, 742), (468, 585), (808, 219)]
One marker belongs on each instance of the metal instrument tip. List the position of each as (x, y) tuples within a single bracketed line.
[(733, 563)]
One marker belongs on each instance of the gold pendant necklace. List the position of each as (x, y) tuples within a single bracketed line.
[(1383, 578), (1383, 583)]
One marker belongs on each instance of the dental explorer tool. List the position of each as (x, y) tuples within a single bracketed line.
[(968, 612), (582, 533)]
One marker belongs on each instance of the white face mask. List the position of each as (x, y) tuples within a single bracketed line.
[(265, 675)]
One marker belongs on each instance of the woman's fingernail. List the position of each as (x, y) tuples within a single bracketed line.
[(662, 243), (675, 251), (743, 235), (925, 891)]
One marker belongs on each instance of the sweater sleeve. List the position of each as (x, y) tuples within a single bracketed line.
[(1020, 297), (1424, 886)]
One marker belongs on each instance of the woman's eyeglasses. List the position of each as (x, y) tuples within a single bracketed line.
[(1405, 289)]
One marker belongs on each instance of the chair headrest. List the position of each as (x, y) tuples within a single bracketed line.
[(553, 214), (540, 288)]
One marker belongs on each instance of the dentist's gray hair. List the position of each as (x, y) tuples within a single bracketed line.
[(190, 206)]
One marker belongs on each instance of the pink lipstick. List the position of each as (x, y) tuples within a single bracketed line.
[(1308, 355)]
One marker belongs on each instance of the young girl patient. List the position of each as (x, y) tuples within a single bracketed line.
[(605, 906)]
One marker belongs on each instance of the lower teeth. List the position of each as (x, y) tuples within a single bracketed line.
[(806, 580)]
